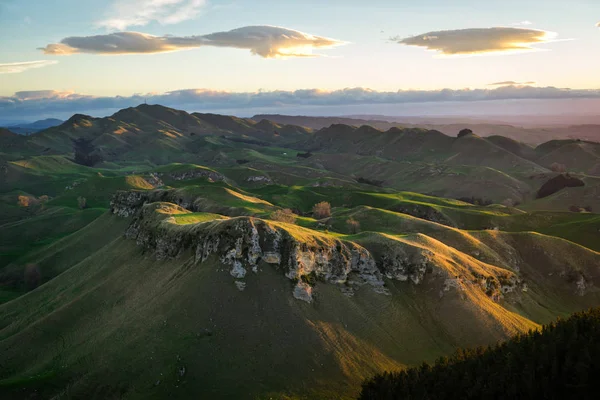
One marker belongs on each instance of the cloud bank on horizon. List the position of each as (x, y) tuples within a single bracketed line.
[(15, 68), (477, 41), (263, 40), (512, 83), (126, 13), (28, 103)]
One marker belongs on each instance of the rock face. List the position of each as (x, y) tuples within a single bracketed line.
[(260, 179), (303, 256), (241, 243), (128, 203), (403, 265)]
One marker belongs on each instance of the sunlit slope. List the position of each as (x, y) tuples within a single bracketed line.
[(147, 315)]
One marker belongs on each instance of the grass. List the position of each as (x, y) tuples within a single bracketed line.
[(195, 218), (40, 230)]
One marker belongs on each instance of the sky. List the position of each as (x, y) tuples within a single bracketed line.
[(93, 56)]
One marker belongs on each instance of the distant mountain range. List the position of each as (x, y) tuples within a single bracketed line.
[(416, 159), (33, 127), (451, 126)]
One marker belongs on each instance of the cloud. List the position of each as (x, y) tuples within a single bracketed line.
[(15, 68), (265, 41), (480, 40), (49, 102), (523, 23), (598, 25), (28, 95), (126, 13), (513, 83)]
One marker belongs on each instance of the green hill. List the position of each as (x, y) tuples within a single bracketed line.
[(185, 258), (340, 306)]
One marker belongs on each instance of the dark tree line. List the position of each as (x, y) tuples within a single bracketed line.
[(304, 155), (562, 361), (85, 152), (558, 183)]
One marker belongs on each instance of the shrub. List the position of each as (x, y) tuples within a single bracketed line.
[(81, 202), (286, 215), (575, 209), (322, 210), (588, 208), (353, 225)]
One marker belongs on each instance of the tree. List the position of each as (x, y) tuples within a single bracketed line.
[(29, 202), (24, 201), (85, 154), (286, 215), (322, 210), (558, 361), (464, 132), (81, 202), (353, 225)]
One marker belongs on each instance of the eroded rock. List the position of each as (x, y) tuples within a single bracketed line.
[(241, 243)]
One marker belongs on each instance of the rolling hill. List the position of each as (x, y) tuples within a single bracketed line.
[(164, 270), (529, 129)]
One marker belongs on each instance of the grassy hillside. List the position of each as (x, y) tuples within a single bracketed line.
[(185, 312), (187, 260)]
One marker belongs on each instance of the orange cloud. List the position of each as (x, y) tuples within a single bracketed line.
[(479, 40), (265, 41)]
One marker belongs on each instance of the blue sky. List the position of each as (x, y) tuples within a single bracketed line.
[(368, 58)]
